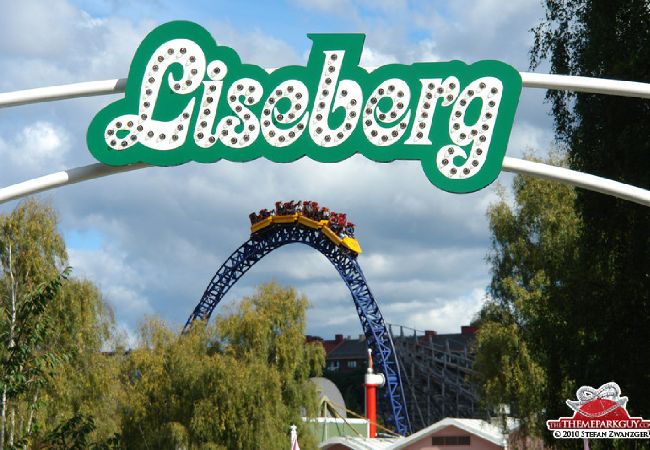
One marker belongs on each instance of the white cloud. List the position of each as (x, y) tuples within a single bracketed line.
[(372, 58), (337, 7), (526, 137), (122, 283), (183, 222), (426, 51), (255, 47), (38, 31), (444, 316), (62, 44), (109, 52), (36, 147)]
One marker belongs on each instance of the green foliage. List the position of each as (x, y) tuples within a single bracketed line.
[(573, 296), (23, 365), (88, 383), (237, 384), (606, 136), (74, 433), (31, 249), (52, 329), (509, 375), (525, 329), (31, 255)]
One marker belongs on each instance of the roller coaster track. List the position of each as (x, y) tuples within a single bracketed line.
[(437, 376), (345, 262)]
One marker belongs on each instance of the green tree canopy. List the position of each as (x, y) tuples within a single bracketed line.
[(31, 253), (606, 136), (237, 384), (526, 333), (87, 384), (574, 301), (52, 330)]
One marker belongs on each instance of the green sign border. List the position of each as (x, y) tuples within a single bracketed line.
[(170, 104)]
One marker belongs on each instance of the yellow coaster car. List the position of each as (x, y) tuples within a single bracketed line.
[(347, 242), (352, 244), (332, 236), (285, 219), (306, 221), (261, 224)]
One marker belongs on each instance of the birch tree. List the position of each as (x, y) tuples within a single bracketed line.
[(31, 253)]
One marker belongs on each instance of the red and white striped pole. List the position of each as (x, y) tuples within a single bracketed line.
[(373, 380)]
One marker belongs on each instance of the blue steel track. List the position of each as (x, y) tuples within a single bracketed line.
[(377, 336)]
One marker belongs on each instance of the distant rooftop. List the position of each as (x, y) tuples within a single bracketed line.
[(490, 435), (356, 348), (350, 349)]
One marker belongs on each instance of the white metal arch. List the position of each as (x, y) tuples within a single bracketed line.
[(516, 165)]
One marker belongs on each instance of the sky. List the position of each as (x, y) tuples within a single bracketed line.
[(152, 239)]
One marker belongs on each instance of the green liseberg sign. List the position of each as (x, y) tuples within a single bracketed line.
[(190, 99)]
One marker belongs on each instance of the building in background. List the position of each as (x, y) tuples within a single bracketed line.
[(442, 435), (436, 370)]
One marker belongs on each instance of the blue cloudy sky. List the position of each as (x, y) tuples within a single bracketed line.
[(152, 239)]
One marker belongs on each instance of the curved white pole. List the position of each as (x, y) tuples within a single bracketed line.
[(579, 179), (63, 178), (62, 92), (585, 84), (583, 180), (529, 79)]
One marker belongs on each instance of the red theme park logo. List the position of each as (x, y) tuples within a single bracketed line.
[(599, 413)]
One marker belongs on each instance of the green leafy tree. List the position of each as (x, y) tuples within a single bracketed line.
[(87, 383), (237, 384), (74, 434), (31, 253), (584, 318), (526, 335), (606, 136), (532, 339), (52, 331), (24, 367)]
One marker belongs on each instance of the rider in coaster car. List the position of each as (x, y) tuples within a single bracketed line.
[(349, 229), (312, 211), (342, 220), (335, 222)]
